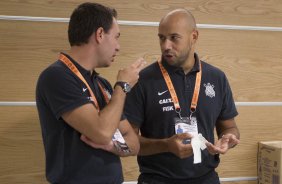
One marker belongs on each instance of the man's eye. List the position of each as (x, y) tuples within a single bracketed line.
[(174, 38), (162, 38)]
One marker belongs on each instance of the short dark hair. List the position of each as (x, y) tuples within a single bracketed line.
[(86, 19)]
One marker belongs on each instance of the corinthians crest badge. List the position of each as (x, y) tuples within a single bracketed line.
[(209, 90)]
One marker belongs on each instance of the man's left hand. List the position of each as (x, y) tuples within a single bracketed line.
[(226, 142), (109, 147)]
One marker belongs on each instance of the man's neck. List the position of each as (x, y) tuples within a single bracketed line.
[(189, 64), (84, 57)]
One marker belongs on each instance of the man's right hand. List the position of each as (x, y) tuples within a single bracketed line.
[(176, 146), (130, 74)]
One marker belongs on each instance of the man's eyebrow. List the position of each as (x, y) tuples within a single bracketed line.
[(174, 34)]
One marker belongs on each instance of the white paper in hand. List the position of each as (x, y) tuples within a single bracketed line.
[(119, 142), (198, 144)]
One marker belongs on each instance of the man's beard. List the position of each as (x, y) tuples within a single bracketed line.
[(179, 61)]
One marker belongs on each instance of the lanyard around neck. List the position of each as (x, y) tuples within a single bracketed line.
[(173, 93), (74, 69)]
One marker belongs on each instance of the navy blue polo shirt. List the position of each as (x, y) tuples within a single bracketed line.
[(150, 107), (68, 159)]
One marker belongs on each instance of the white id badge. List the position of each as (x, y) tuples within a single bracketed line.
[(120, 143), (184, 125)]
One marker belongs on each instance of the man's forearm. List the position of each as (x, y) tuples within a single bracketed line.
[(231, 130), (152, 146), (109, 117)]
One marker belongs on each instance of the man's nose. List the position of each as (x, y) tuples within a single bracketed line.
[(118, 47), (167, 45)]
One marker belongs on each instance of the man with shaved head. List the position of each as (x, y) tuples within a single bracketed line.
[(176, 105)]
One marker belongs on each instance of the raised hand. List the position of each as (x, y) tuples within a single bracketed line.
[(130, 74), (223, 144), (176, 146)]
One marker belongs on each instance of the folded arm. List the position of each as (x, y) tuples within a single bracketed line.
[(100, 126), (130, 137)]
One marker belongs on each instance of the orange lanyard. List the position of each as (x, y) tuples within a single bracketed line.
[(173, 93), (73, 68)]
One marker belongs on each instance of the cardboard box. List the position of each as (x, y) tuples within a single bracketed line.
[(269, 162)]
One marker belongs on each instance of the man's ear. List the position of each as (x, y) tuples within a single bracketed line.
[(99, 34), (195, 35)]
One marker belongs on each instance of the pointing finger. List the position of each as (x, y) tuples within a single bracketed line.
[(139, 63)]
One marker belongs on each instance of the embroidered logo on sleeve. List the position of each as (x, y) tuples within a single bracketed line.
[(209, 90)]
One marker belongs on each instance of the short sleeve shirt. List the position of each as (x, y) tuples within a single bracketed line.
[(149, 106), (68, 159)]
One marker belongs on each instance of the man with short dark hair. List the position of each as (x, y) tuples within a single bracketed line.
[(176, 104), (83, 129)]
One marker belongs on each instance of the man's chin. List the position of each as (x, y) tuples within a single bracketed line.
[(171, 62), (107, 65), (104, 65)]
